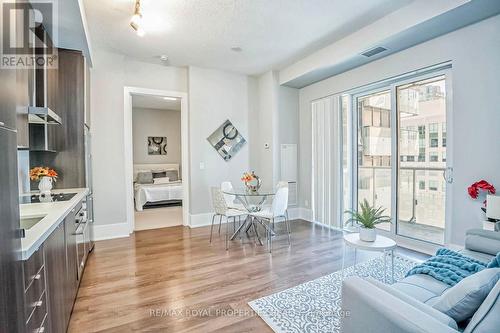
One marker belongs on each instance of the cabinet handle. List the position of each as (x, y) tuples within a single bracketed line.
[(37, 277)]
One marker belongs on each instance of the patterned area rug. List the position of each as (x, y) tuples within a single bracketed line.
[(315, 306)]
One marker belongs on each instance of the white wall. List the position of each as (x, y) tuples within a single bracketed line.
[(288, 121), (275, 122), (215, 96), (474, 52), (155, 122), (267, 127), (110, 73)]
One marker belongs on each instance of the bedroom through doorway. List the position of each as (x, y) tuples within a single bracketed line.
[(157, 161)]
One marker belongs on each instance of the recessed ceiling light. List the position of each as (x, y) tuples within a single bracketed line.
[(163, 57), (236, 49), (170, 98)]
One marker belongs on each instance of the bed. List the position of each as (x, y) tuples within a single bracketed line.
[(148, 194)]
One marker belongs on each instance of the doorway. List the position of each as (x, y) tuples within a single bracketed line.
[(156, 158)]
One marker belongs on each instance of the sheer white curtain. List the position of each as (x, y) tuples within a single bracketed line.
[(326, 163)]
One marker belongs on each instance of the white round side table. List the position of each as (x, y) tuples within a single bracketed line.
[(381, 244)]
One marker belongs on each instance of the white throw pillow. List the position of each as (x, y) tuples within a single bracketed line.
[(161, 180), (461, 301)]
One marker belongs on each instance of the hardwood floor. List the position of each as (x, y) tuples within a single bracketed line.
[(173, 280)]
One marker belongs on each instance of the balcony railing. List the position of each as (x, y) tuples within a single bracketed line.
[(421, 198), (422, 186)]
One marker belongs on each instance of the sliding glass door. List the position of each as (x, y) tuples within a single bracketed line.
[(422, 151), (399, 154), (374, 151)]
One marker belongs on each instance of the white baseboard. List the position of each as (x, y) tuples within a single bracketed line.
[(201, 220), (110, 231)]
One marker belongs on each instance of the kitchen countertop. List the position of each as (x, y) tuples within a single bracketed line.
[(53, 212)]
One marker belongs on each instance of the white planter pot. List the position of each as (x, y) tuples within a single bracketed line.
[(367, 235), (45, 185)]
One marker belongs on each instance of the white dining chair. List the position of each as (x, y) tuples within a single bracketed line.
[(277, 211), (228, 187), (281, 184), (221, 209)]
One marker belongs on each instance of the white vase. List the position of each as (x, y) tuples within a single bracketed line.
[(367, 235), (45, 185)]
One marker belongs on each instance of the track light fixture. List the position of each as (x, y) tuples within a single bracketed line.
[(136, 20)]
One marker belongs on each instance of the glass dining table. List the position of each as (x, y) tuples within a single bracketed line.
[(252, 202)]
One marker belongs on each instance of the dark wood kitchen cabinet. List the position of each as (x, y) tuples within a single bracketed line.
[(24, 88), (35, 294), (61, 272), (69, 137), (66, 93), (55, 262), (71, 259)]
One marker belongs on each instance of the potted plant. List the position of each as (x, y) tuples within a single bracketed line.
[(45, 176), (368, 217)]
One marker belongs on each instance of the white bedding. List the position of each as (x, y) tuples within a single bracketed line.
[(156, 192)]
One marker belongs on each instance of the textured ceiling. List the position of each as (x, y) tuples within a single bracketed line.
[(271, 33), (155, 102)]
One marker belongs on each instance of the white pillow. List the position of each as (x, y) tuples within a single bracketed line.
[(161, 180), (461, 301)]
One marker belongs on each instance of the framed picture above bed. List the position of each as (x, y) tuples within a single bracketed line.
[(157, 145)]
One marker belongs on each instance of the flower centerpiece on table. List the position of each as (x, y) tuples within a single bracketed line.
[(251, 180), (45, 176)]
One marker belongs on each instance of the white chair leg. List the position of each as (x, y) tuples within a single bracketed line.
[(227, 232), (271, 237), (287, 222), (220, 222), (212, 227)]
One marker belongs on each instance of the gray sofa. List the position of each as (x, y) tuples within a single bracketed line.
[(406, 306)]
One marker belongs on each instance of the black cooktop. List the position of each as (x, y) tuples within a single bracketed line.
[(37, 198)]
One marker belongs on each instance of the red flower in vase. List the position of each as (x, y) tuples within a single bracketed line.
[(482, 185)]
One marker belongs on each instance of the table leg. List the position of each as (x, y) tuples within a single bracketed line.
[(249, 225), (385, 266), (239, 229), (343, 260), (355, 259), (392, 265), (256, 232)]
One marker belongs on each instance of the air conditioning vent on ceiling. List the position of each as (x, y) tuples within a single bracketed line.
[(374, 51)]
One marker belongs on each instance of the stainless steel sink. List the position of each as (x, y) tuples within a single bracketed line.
[(29, 222)]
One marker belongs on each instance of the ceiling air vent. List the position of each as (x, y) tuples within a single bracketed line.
[(374, 51)]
